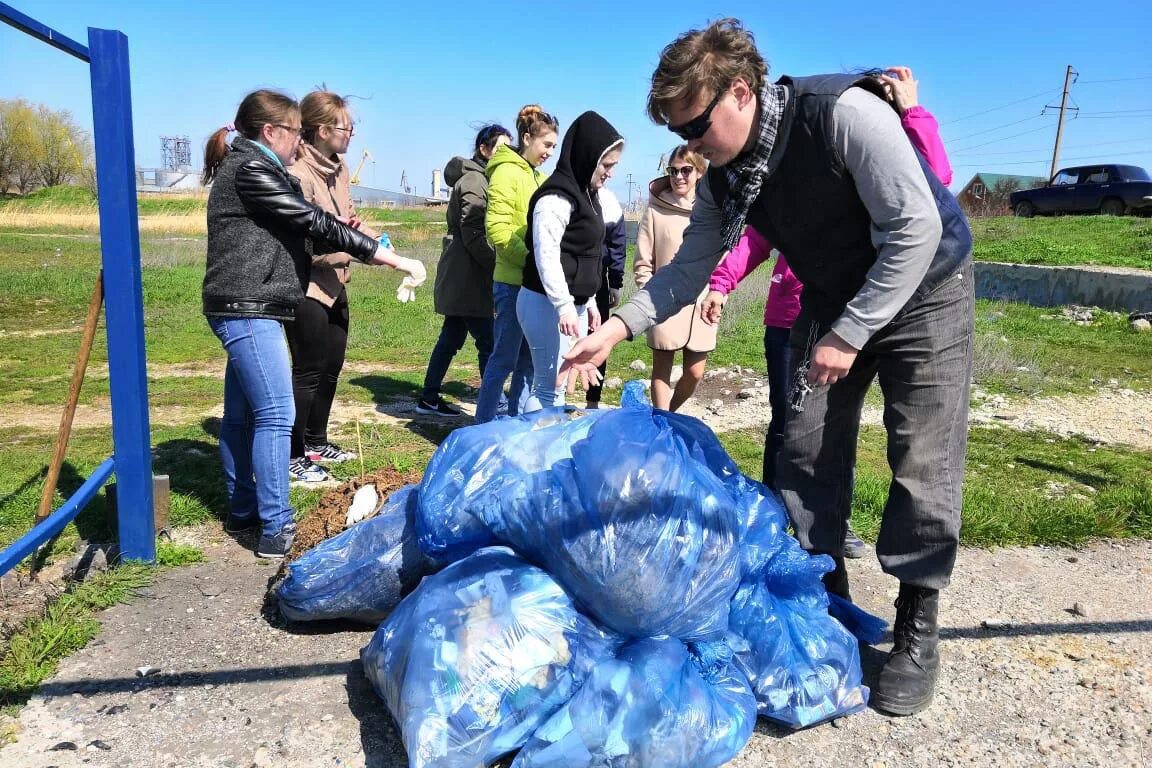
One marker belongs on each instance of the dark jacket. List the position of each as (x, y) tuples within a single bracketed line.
[(586, 141), (464, 273), (261, 237), (809, 209), (615, 238)]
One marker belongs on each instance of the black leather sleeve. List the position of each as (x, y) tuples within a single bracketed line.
[(267, 194)]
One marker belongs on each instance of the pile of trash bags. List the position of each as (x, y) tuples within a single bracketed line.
[(587, 589)]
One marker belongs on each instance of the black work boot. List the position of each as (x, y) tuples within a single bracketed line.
[(908, 678), (836, 581)]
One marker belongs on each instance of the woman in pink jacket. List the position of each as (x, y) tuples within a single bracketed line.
[(783, 303)]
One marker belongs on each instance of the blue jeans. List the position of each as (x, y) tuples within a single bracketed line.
[(453, 334), (509, 356), (256, 431), (776, 356), (541, 325)]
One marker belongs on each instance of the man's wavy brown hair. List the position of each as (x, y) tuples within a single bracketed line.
[(706, 60)]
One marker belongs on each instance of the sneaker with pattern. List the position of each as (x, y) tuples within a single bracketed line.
[(329, 453), (303, 471)]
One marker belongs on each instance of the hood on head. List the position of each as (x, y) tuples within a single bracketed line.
[(660, 195), (453, 170), (586, 142)]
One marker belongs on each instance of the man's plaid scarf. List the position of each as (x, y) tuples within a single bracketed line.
[(747, 173)]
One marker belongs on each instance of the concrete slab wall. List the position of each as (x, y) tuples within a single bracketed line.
[(1119, 290)]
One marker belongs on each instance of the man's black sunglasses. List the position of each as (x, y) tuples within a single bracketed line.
[(699, 125)]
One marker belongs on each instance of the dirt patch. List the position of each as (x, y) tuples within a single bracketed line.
[(46, 418), (38, 333), (327, 519), (1112, 415)]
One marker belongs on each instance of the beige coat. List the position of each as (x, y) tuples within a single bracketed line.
[(324, 182), (661, 230)]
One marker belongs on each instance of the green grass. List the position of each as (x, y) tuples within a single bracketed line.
[(66, 626), (1034, 350), (1020, 350), (1111, 241), (1021, 488), (63, 196), (170, 554)]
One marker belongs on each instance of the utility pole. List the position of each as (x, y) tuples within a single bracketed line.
[(629, 191), (1060, 123)]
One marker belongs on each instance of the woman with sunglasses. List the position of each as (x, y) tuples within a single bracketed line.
[(670, 202), (562, 271), (261, 235), (318, 338), (513, 177)]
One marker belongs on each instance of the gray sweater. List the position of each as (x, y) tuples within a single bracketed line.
[(905, 227)]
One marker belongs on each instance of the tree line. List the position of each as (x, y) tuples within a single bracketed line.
[(42, 147)]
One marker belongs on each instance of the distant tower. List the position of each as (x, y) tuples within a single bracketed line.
[(404, 183), (436, 183), (176, 152)]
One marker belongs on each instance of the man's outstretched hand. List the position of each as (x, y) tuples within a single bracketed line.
[(586, 355)]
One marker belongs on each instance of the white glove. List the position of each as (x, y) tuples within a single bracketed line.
[(406, 292), (363, 504), (413, 268)]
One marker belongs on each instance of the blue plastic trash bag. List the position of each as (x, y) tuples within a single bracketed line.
[(478, 657), (651, 707), (634, 395), (480, 473), (864, 626), (803, 665), (642, 535), (362, 573)]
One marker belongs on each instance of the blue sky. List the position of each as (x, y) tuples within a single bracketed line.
[(430, 72)]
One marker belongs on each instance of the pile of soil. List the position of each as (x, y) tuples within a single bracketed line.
[(327, 519)]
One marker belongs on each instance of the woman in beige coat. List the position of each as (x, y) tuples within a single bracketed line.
[(661, 229)]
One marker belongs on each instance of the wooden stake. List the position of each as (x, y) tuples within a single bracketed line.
[(78, 371), (360, 450)]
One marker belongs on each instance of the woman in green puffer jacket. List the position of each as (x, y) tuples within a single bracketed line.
[(513, 177)]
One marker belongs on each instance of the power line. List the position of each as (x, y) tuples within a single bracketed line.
[(1078, 146), (1117, 111), (1004, 138), (1002, 106), (1115, 80), (997, 128), (1042, 162), (1116, 117)]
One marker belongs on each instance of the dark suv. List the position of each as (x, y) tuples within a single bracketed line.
[(1110, 189)]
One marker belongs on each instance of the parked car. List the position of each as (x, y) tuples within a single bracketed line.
[(1111, 189)]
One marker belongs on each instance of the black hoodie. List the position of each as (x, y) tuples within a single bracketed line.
[(585, 143)]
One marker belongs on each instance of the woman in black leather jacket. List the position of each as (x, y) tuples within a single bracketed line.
[(261, 236)]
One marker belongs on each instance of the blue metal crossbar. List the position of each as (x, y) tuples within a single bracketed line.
[(107, 54), (10, 15), (55, 522)]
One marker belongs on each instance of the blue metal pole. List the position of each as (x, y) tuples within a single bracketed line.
[(123, 292), (55, 522)]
